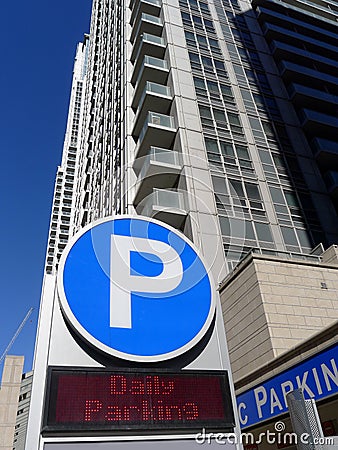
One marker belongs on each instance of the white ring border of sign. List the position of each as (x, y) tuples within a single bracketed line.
[(79, 329)]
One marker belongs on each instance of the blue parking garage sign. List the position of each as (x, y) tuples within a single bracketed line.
[(316, 376), (136, 289)]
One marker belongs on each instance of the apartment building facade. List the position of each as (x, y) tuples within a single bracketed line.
[(178, 112), (303, 38)]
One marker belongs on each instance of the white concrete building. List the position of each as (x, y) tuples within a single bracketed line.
[(61, 227), (9, 398), (23, 411)]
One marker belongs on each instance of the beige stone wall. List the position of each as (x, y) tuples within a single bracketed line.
[(9, 397), (299, 300), (273, 305), (247, 331)]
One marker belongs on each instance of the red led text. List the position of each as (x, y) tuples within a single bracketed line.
[(143, 413), (94, 399), (119, 385), (141, 399)]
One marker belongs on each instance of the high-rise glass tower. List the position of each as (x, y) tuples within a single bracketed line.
[(185, 118), (178, 111), (61, 227)]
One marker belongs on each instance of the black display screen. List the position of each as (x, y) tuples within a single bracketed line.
[(115, 400)]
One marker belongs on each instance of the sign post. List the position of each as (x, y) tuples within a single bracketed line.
[(137, 312)]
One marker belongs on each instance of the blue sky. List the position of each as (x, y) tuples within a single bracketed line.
[(37, 51)]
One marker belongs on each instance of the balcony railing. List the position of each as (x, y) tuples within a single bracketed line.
[(159, 155), (326, 152), (299, 91), (275, 32), (299, 9), (156, 88), (288, 51), (313, 7), (146, 37), (149, 44), (156, 62), (147, 23), (310, 116), (331, 179), (151, 18), (325, 145), (153, 2), (153, 88), (150, 63), (160, 168), (299, 72), (146, 6), (167, 200), (159, 120)]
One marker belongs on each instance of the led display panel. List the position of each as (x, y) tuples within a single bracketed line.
[(117, 401)]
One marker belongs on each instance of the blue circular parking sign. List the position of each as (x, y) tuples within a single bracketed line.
[(136, 289)]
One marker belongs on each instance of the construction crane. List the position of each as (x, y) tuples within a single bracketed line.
[(18, 331)]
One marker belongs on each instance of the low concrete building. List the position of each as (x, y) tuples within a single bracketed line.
[(23, 411), (281, 318), (9, 397), (272, 303)]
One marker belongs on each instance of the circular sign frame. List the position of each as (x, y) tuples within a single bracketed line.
[(110, 350)]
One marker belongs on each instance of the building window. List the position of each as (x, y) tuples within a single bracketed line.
[(263, 232), (289, 236)]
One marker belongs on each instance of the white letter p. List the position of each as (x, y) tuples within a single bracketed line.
[(123, 283)]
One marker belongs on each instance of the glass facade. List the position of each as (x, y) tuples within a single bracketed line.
[(237, 173), (265, 179)]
